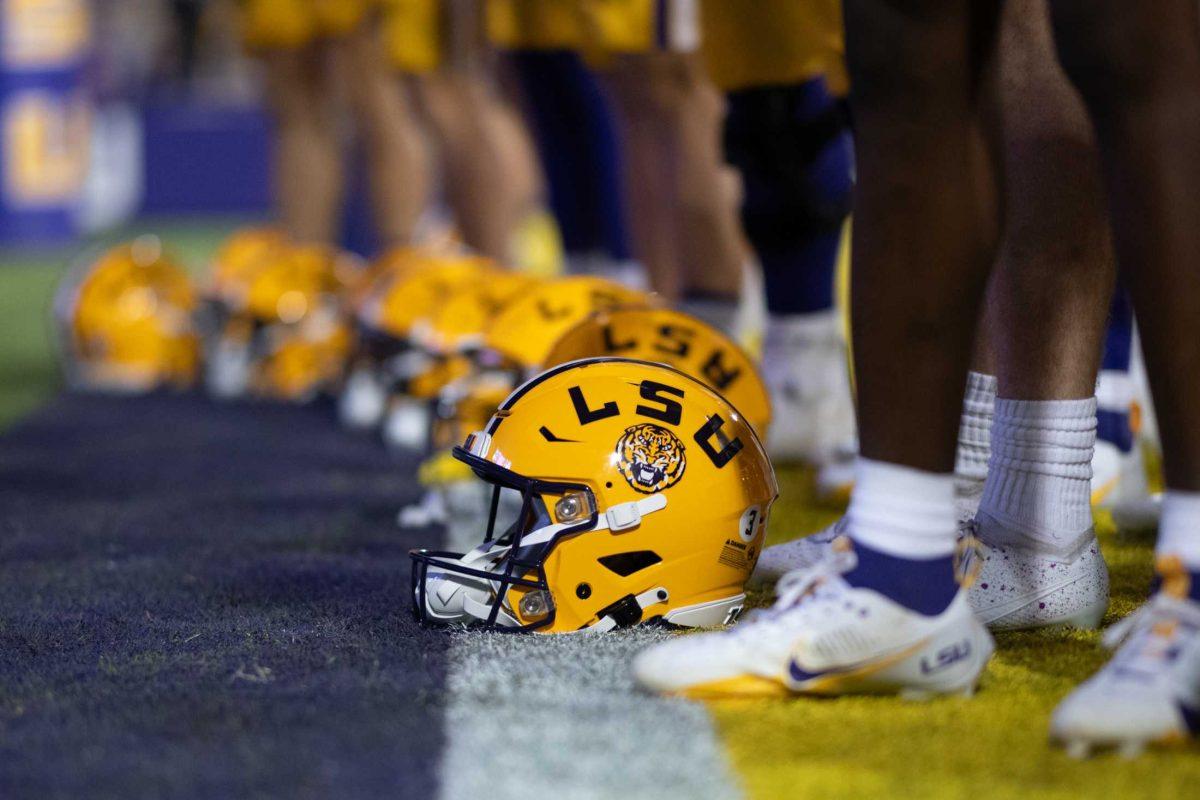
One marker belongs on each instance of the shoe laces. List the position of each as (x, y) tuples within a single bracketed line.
[(801, 586), (1160, 608)]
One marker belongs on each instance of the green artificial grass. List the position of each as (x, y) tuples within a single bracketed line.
[(29, 374), (992, 745)]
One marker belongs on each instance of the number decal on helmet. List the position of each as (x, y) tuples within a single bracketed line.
[(650, 457)]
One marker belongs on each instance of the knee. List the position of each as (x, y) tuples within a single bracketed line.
[(295, 87), (792, 148)]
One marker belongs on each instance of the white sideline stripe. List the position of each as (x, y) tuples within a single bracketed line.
[(558, 716)]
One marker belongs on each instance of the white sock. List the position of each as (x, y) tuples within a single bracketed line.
[(975, 428), (1179, 529), (807, 345), (1038, 489), (901, 511)]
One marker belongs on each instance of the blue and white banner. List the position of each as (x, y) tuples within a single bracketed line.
[(45, 117)]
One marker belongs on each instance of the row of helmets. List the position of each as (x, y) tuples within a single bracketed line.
[(423, 344), (431, 348)]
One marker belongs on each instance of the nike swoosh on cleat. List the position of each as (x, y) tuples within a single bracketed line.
[(861, 669)]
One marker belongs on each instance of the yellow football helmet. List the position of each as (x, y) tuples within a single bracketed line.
[(458, 325), (675, 338), (623, 492), (125, 321), (525, 330), (285, 339), (407, 348), (236, 261), (499, 362), (402, 299), (396, 263)]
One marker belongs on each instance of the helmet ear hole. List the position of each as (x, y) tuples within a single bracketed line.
[(625, 564)]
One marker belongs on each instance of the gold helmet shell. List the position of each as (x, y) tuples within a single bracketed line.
[(286, 338), (125, 320), (526, 329), (459, 324), (672, 337), (641, 494), (400, 299), (237, 260)]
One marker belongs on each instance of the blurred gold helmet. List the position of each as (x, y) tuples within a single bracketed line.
[(459, 323), (236, 261), (396, 263), (408, 348), (672, 337), (400, 299), (125, 321), (623, 492), (285, 339), (394, 323), (525, 330)]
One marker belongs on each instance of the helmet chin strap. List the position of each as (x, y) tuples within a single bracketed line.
[(650, 597), (619, 517)]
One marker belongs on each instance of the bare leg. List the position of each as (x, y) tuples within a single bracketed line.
[(308, 155), (1137, 66), (682, 213), (389, 134), (921, 246), (475, 156), (1055, 270), (1138, 69)]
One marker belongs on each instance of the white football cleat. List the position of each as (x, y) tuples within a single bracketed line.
[(429, 510), (825, 637), (779, 559), (227, 370), (805, 368), (803, 553), (1120, 485), (363, 400), (406, 424), (1149, 692), (1018, 587)]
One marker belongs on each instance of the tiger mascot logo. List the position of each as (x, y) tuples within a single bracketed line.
[(651, 458)]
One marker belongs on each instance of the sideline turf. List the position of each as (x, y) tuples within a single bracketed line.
[(993, 745), (203, 601)]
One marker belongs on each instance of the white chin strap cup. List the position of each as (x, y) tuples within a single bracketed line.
[(624, 516)]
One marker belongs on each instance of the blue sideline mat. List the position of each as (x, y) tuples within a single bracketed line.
[(209, 601)]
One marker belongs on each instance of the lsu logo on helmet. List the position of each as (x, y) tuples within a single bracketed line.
[(650, 457)]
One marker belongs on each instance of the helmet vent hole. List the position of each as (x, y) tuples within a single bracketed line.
[(625, 564), (608, 484)]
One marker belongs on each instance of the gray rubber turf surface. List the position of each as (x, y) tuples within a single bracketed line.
[(208, 601)]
